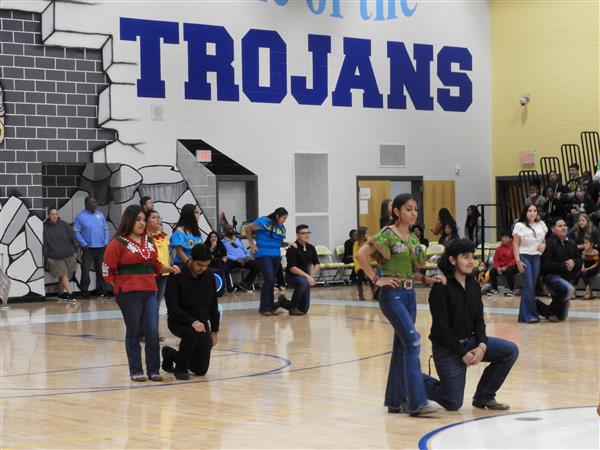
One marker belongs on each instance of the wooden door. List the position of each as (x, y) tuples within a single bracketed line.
[(379, 191), (436, 194)]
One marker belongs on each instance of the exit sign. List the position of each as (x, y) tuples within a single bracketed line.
[(527, 158), (204, 156)]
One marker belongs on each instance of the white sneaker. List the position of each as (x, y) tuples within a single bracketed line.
[(427, 409)]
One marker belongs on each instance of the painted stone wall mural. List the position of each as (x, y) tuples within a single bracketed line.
[(115, 186)]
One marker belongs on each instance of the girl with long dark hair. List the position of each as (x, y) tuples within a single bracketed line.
[(529, 242), (270, 236), (400, 254), (449, 235), (473, 224), (386, 215), (131, 266), (444, 218), (187, 234)]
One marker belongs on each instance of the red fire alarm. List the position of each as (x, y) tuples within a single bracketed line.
[(204, 156)]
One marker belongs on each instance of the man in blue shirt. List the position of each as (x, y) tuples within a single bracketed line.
[(238, 257), (91, 231)]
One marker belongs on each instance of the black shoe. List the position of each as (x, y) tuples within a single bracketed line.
[(296, 312), (167, 362), (103, 295), (491, 404), (63, 296), (182, 376), (282, 302), (85, 296), (395, 410)]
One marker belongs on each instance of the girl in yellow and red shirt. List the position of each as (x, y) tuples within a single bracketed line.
[(131, 266)]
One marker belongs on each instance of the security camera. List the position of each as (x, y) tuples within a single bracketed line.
[(524, 99)]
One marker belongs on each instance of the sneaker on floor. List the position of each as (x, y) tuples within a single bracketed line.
[(156, 377), (428, 409), (296, 312), (509, 293), (491, 404), (85, 296), (138, 377), (492, 292), (553, 319)]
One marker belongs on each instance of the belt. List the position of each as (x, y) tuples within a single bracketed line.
[(403, 284)]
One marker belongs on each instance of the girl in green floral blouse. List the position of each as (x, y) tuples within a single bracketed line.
[(400, 254)]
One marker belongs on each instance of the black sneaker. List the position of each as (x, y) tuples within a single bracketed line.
[(167, 362), (296, 312), (182, 376), (85, 296)]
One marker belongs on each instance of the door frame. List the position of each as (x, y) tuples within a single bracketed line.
[(416, 188)]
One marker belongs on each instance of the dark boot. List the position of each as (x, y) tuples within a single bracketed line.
[(169, 356)]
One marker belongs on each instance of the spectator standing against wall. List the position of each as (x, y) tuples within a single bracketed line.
[(91, 231), (60, 252), (147, 203)]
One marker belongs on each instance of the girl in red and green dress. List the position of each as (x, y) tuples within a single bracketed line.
[(131, 266)]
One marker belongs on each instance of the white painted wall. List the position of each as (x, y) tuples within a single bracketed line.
[(264, 137)]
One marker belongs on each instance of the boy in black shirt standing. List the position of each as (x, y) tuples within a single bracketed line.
[(193, 316), (458, 336), (302, 265)]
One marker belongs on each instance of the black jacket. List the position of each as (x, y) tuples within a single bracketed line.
[(457, 313), (555, 255), (190, 299), (59, 240)]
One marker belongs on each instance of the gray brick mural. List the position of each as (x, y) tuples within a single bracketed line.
[(51, 102)]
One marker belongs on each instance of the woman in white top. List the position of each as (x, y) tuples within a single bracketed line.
[(529, 242)]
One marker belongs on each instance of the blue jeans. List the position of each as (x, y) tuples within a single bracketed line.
[(301, 295), (269, 266), (140, 313), (405, 387), (561, 291), (449, 391), (528, 309), (161, 284)]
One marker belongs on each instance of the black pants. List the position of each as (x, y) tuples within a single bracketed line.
[(194, 349), (89, 255), (508, 273), (587, 277), (250, 265)]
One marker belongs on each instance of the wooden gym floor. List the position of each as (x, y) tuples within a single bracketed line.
[(314, 381)]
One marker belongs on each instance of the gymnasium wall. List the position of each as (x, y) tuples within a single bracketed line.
[(263, 80), (550, 50)]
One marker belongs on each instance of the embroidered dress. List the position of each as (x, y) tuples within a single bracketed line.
[(131, 266), (398, 258)]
